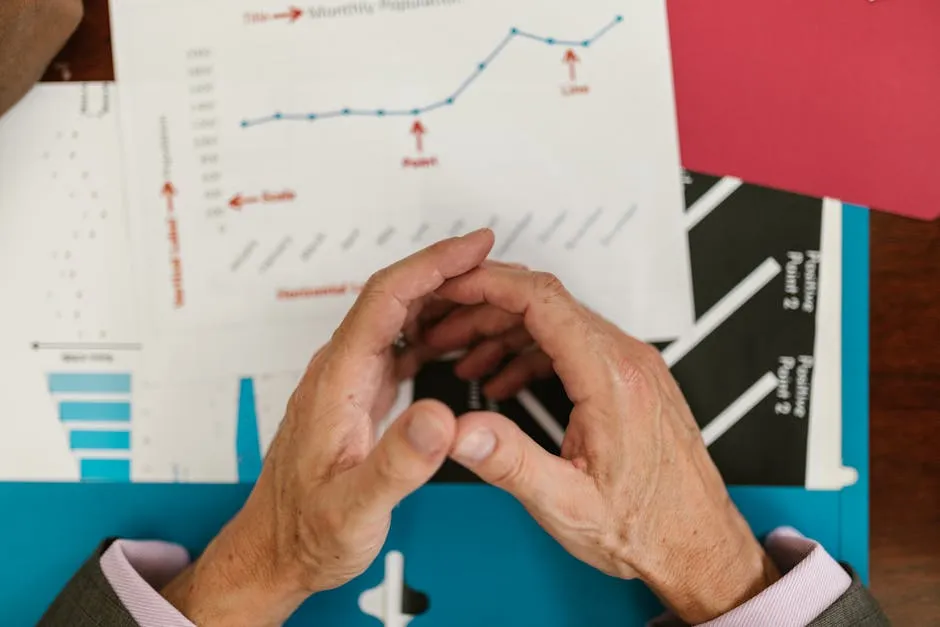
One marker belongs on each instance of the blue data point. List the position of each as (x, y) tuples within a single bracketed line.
[(482, 66), (585, 43), (278, 116), (312, 116), (244, 123), (416, 112), (550, 41), (347, 111), (619, 18), (380, 113), (514, 31), (450, 101)]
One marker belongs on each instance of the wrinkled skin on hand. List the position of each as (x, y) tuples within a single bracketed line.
[(634, 492)]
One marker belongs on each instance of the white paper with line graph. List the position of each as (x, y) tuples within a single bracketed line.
[(86, 400), (280, 155)]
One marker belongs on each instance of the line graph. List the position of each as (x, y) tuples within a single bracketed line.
[(513, 35), (551, 122)]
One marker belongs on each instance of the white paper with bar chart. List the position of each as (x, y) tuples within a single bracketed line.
[(69, 342)]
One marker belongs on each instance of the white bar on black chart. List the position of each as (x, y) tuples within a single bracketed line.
[(738, 409), (542, 416), (733, 301), (712, 198)]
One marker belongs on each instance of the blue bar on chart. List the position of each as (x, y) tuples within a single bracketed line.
[(106, 470), (89, 383), (100, 440), (98, 411), (247, 440)]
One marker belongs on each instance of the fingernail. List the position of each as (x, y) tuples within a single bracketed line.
[(475, 446), (475, 233), (426, 434)]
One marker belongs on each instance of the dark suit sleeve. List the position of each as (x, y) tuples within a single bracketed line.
[(88, 600), (856, 608)]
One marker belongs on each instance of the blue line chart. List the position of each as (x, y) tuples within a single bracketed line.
[(513, 35)]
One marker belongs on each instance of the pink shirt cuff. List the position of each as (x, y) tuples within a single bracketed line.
[(812, 581), (136, 570)]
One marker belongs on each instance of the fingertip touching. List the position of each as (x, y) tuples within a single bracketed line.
[(431, 428), (499, 452)]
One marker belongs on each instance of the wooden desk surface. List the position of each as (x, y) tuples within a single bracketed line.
[(905, 418), (905, 380)]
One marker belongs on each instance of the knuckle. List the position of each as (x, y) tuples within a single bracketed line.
[(351, 457), (512, 471), (371, 296), (377, 281), (651, 355), (548, 286), (629, 372), (388, 470)]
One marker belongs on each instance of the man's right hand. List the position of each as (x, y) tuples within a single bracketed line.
[(31, 33), (634, 493)]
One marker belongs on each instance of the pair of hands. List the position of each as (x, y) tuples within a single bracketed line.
[(634, 492), (632, 480)]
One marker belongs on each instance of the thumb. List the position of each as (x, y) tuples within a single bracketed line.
[(499, 452), (408, 455)]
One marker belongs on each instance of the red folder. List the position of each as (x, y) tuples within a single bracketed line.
[(836, 98)]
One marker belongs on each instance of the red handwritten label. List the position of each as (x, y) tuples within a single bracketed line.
[(420, 163), (319, 291), (575, 90), (173, 238)]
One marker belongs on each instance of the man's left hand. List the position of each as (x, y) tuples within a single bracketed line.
[(321, 510)]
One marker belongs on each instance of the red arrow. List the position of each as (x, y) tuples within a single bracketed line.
[(292, 14), (168, 192), (418, 131), (238, 201), (572, 60)]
